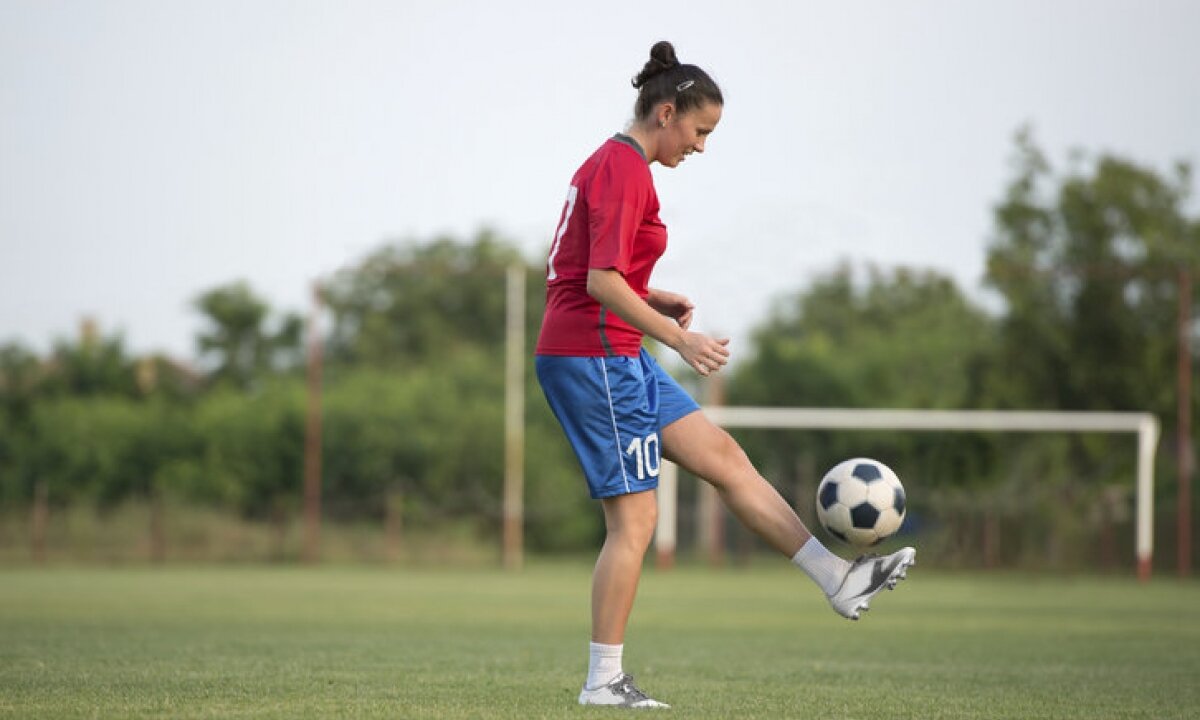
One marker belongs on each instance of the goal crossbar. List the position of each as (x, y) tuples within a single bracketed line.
[(1144, 425)]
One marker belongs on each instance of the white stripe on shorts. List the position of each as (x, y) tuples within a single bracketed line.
[(613, 415)]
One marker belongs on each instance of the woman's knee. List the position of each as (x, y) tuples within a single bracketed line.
[(706, 450), (634, 531), (632, 519)]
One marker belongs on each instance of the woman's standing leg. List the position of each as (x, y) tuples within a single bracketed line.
[(630, 521)]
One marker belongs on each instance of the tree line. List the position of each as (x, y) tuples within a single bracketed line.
[(1085, 262)]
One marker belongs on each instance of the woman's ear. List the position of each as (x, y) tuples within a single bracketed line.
[(665, 112)]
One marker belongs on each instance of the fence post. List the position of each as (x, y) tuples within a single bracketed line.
[(514, 419), (312, 436), (39, 515)]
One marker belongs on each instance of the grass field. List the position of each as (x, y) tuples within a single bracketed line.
[(760, 643)]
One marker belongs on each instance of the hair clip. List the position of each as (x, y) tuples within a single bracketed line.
[(684, 85)]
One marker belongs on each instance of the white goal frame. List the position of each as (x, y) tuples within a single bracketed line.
[(1144, 425)]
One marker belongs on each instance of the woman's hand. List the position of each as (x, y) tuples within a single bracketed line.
[(673, 305), (704, 354)]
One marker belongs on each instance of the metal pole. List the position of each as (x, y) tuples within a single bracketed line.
[(668, 501), (711, 513), (1184, 425), (514, 420), (1148, 431), (38, 521), (312, 436)]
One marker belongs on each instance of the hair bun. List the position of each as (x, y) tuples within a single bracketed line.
[(664, 52), (662, 58)]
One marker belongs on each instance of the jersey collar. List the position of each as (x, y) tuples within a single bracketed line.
[(623, 138)]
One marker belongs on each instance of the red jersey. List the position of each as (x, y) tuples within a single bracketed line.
[(610, 221)]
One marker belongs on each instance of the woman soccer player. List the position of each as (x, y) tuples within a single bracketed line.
[(621, 412)]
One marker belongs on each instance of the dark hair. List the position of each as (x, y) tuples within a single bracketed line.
[(664, 78)]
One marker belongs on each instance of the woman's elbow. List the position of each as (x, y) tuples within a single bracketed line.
[(597, 284)]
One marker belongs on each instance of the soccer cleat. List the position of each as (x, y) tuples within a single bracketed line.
[(621, 693), (867, 576)]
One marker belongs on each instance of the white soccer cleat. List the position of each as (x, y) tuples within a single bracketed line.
[(621, 693), (867, 576)]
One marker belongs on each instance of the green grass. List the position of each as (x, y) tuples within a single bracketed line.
[(760, 643)]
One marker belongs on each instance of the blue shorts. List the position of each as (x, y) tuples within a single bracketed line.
[(613, 410)]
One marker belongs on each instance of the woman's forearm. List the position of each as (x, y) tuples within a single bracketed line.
[(610, 289)]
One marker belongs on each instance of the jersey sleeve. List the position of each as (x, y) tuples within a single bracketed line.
[(617, 202)]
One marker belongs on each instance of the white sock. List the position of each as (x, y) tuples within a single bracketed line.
[(604, 664), (826, 569)]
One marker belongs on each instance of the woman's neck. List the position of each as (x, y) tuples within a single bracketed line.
[(645, 137)]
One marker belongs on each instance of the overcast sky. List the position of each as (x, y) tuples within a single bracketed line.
[(153, 149)]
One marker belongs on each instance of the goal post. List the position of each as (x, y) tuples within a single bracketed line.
[(1144, 425)]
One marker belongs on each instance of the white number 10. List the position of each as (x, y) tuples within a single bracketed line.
[(647, 456)]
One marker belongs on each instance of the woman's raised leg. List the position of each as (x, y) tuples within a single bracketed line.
[(694, 443)]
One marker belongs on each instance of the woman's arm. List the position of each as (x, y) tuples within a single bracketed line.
[(702, 353), (673, 305)]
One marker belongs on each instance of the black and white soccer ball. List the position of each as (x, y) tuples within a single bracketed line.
[(861, 502)]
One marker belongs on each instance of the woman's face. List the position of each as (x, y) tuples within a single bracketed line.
[(685, 134)]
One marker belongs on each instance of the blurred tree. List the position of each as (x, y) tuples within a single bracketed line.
[(420, 302), (160, 375), (105, 449), (238, 340), (905, 338), (21, 374), (1087, 264), (899, 338), (251, 447), (77, 421), (433, 435), (95, 365), (1087, 267)]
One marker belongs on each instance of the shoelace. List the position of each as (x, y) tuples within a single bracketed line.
[(628, 689)]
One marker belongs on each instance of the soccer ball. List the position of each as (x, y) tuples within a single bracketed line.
[(861, 502)]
